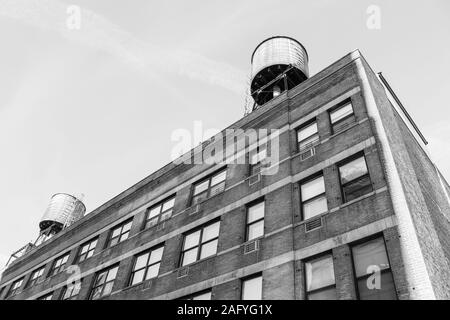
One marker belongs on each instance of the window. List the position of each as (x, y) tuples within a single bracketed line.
[(256, 159), (103, 283), (355, 179), (15, 288), (320, 283), (120, 233), (252, 288), (46, 297), (342, 116), (313, 198), (87, 250), (200, 244), (59, 264), (255, 221), (204, 295), (307, 136), (36, 277), (209, 187), (160, 212), (372, 270), (146, 265), (71, 292)]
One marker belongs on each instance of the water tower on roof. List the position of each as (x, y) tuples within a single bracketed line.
[(62, 211), (278, 64)]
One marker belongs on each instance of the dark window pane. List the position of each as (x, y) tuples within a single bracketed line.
[(386, 290), (357, 188)]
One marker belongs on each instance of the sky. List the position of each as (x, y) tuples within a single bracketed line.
[(88, 106)]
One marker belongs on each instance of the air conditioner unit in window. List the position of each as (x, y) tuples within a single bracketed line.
[(183, 272), (254, 179), (307, 154), (313, 224), (251, 246)]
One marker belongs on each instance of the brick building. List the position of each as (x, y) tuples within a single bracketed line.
[(356, 210)]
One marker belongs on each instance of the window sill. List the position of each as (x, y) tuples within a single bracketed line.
[(367, 195), (192, 206), (253, 240), (321, 215), (354, 124), (344, 205), (306, 148), (195, 263), (142, 285), (155, 226)]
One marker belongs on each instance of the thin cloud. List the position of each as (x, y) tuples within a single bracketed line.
[(99, 33)]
